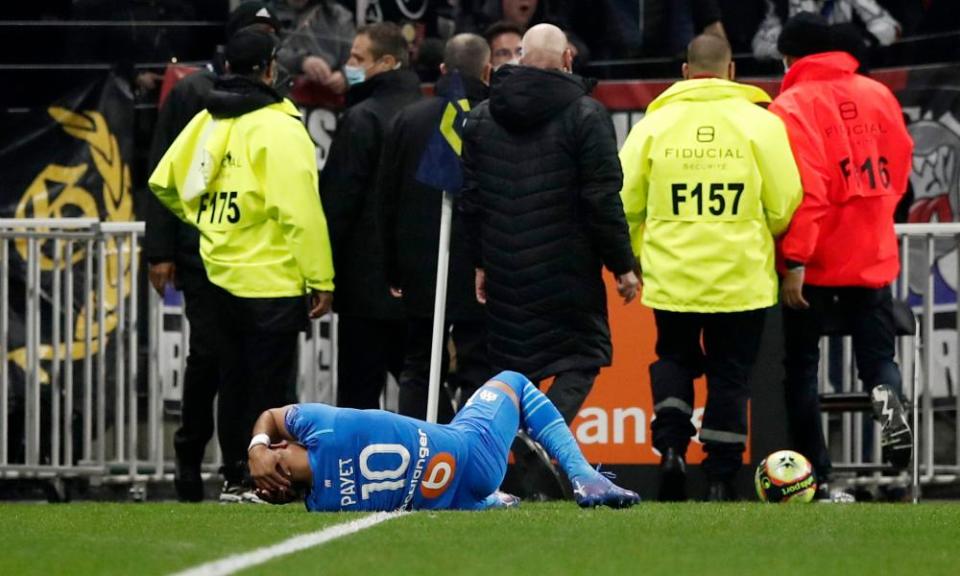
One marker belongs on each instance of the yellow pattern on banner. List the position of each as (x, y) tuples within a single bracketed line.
[(446, 124), (74, 201)]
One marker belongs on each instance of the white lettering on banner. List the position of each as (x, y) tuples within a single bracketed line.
[(639, 418), (593, 429), (321, 125), (596, 425), (944, 363)]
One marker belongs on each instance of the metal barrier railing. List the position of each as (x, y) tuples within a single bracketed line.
[(169, 347), (71, 389), (928, 268), (79, 288), (70, 384)]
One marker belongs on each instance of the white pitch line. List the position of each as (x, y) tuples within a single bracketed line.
[(238, 562)]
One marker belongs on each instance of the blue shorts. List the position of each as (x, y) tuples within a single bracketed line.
[(489, 423)]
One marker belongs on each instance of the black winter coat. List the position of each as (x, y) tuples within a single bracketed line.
[(542, 202), (412, 214), (348, 192)]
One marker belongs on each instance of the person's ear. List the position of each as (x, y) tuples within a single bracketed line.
[(685, 71), (486, 73), (567, 60), (270, 74), (389, 63), (732, 71)]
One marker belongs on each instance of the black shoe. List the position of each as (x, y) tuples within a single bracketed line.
[(828, 495), (533, 476), (896, 439), (188, 483), (673, 477), (720, 491), (237, 493)]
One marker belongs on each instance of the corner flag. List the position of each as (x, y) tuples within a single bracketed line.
[(440, 168), (440, 164)]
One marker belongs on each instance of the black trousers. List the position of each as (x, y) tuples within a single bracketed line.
[(724, 347), (569, 389), (866, 314), (473, 367), (257, 346), (368, 348), (202, 375)]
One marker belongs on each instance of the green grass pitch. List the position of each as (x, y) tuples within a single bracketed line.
[(537, 539)]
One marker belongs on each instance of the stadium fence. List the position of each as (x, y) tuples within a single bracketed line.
[(90, 391)]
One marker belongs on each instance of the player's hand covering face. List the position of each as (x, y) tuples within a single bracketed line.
[(282, 497), (267, 469)]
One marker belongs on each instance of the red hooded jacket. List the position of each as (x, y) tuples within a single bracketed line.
[(854, 155)]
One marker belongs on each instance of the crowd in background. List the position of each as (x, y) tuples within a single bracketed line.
[(599, 29), (611, 38), (543, 205), (317, 48)]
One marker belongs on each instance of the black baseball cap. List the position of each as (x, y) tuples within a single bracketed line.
[(250, 13), (250, 51), (804, 34)]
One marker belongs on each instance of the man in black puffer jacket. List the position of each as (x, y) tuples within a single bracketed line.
[(541, 201)]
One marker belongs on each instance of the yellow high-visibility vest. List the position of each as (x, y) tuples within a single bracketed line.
[(709, 181), (249, 184)]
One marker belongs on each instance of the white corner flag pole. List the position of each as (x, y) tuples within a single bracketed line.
[(439, 306)]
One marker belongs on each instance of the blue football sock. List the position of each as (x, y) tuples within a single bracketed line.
[(545, 425)]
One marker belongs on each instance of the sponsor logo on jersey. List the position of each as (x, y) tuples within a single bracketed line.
[(423, 453), (487, 395), (439, 475)]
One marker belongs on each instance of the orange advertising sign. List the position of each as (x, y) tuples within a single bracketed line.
[(613, 426)]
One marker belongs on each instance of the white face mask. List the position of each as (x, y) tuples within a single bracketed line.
[(358, 74), (354, 74)]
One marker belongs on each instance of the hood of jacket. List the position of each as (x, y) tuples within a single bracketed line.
[(522, 97), (391, 82), (476, 91), (822, 66), (234, 96), (707, 89)]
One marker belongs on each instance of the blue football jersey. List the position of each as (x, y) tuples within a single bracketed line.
[(376, 460)]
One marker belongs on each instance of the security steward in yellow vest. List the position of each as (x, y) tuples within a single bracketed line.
[(709, 180), (244, 172)]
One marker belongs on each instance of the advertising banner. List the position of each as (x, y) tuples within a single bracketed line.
[(69, 160)]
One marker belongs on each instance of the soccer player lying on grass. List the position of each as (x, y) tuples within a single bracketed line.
[(350, 460)]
